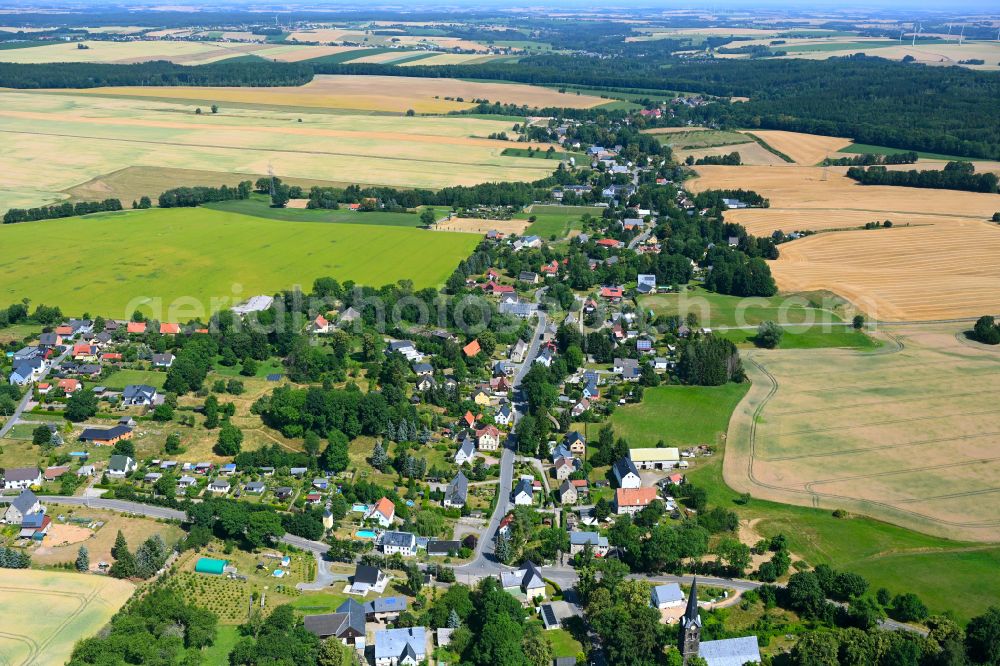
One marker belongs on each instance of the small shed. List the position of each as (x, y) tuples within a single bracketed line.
[(210, 565)]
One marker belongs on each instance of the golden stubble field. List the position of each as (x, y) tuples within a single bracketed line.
[(54, 142), (389, 94), (805, 149), (907, 435), (47, 612), (937, 262)]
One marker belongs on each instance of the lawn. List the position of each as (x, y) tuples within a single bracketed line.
[(185, 263), (318, 602), (679, 415), (555, 220), (807, 337), (563, 643), (541, 154), (702, 138), (226, 638), (260, 206), (861, 148), (19, 333), (715, 310), (119, 380)]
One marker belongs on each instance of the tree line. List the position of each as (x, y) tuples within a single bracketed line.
[(954, 176), (195, 196), (156, 73), (870, 159), (15, 215)]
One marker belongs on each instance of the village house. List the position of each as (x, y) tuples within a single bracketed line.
[(528, 579), (626, 474), (347, 624), (578, 541), (367, 578), (384, 609), (518, 351), (488, 438), (382, 511), (457, 492), (19, 478), (667, 596), (24, 504), (138, 395), (120, 466), (524, 492), (466, 451), (404, 543), (568, 493), (106, 436), (633, 500), (397, 647)]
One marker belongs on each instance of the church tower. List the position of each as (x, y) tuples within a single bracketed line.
[(690, 626)]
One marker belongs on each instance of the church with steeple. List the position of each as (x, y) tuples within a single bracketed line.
[(689, 636), (726, 652)]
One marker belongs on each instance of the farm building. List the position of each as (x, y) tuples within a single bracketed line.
[(665, 458)]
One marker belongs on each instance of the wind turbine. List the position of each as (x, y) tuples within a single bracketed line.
[(916, 32), (961, 37)]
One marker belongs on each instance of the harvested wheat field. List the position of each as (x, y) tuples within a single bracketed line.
[(128, 52), (476, 225), (751, 153), (805, 149), (938, 271), (55, 142), (64, 607), (390, 94), (765, 221), (800, 187), (907, 435)]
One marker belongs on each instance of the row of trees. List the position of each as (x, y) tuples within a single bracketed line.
[(15, 215), (954, 176), (195, 196), (729, 159), (871, 159)]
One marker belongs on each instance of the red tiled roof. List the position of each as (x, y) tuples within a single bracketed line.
[(634, 496), (136, 327), (472, 348), (170, 329)]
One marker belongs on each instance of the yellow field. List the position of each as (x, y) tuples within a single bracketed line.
[(765, 221), (751, 153), (67, 607), (805, 149), (939, 271), (180, 52), (325, 35), (479, 226), (906, 435), (929, 54), (800, 187), (394, 94), (54, 142), (448, 59)]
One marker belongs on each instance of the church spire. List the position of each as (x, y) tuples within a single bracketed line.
[(689, 637)]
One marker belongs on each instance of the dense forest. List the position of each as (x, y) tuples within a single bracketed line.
[(954, 176), (946, 110), (157, 73)]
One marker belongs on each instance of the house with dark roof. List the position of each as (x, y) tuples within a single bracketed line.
[(626, 474), (120, 466), (466, 451), (18, 478), (367, 578), (443, 547), (106, 436), (347, 624), (528, 579), (457, 492), (404, 543), (523, 492), (384, 608), (163, 360), (24, 504), (138, 395)]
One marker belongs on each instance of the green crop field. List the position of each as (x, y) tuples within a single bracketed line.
[(556, 220), (679, 415), (862, 148), (119, 380), (806, 337), (259, 206), (713, 310), (158, 256)]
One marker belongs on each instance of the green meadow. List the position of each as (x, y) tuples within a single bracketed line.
[(111, 263), (714, 310)]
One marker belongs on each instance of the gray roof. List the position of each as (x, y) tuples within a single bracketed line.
[(583, 538), (399, 539), (21, 474), (439, 547), (119, 462), (366, 574), (138, 391), (458, 490), (25, 501), (523, 486), (468, 449), (730, 651), (527, 577), (386, 605), (161, 359), (391, 643), (623, 467), (350, 616), (669, 593)]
